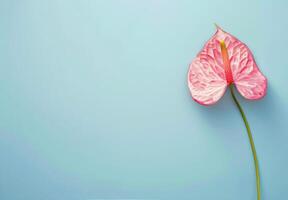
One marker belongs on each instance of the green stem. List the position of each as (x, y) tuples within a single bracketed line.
[(251, 141)]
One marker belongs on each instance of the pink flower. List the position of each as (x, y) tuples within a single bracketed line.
[(224, 60)]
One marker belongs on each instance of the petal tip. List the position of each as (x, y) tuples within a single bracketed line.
[(218, 28)]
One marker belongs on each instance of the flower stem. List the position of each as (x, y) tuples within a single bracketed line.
[(250, 140)]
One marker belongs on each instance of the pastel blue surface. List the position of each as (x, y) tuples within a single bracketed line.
[(94, 101)]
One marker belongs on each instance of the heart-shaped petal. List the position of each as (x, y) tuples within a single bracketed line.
[(209, 76)]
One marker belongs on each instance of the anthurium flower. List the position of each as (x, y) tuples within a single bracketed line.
[(224, 62)]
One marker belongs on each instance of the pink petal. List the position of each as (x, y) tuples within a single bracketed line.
[(250, 82), (207, 79), (206, 76)]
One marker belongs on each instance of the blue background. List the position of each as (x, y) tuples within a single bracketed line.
[(94, 102)]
